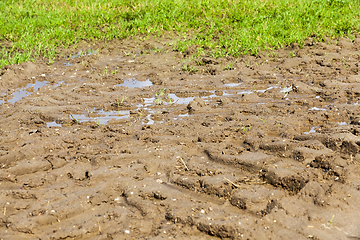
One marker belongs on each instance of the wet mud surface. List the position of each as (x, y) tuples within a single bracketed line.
[(134, 141)]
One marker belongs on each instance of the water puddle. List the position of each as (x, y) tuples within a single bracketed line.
[(312, 130), (68, 64), (351, 103), (286, 89), (24, 92), (149, 101), (181, 116), (342, 123), (58, 84), (317, 109), (249, 91), (53, 124), (232, 84), (149, 121), (83, 54), (179, 100), (171, 98), (133, 83), (101, 117)]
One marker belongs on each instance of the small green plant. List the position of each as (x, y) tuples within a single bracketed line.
[(188, 68), (115, 71), (292, 54), (140, 115), (159, 97), (170, 100), (332, 218), (229, 66), (243, 127), (157, 50), (118, 102), (74, 119)]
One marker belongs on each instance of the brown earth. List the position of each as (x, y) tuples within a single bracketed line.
[(135, 141)]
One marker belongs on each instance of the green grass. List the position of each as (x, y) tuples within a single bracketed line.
[(40, 28)]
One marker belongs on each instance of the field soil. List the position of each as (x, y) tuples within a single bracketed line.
[(132, 140)]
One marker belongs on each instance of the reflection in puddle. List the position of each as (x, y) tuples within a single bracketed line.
[(149, 101), (248, 91), (149, 120), (286, 89), (179, 100), (83, 54), (317, 109), (312, 130), (133, 83), (53, 124), (232, 84), (181, 116), (210, 96), (356, 103), (67, 64), (174, 100), (342, 123), (58, 84), (26, 91), (101, 117)]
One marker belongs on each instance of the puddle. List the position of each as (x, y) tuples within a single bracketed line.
[(149, 101), (101, 117), (181, 116), (317, 109), (24, 92), (149, 120), (53, 124), (249, 91), (232, 84), (67, 64), (342, 123), (312, 130), (133, 83), (83, 54), (355, 104), (58, 84), (179, 100), (174, 100), (255, 90), (286, 89)]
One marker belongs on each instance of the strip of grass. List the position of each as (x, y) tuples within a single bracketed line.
[(39, 28)]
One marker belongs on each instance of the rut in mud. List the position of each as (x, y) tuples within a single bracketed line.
[(128, 142)]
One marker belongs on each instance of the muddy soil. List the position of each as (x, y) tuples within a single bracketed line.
[(137, 141)]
